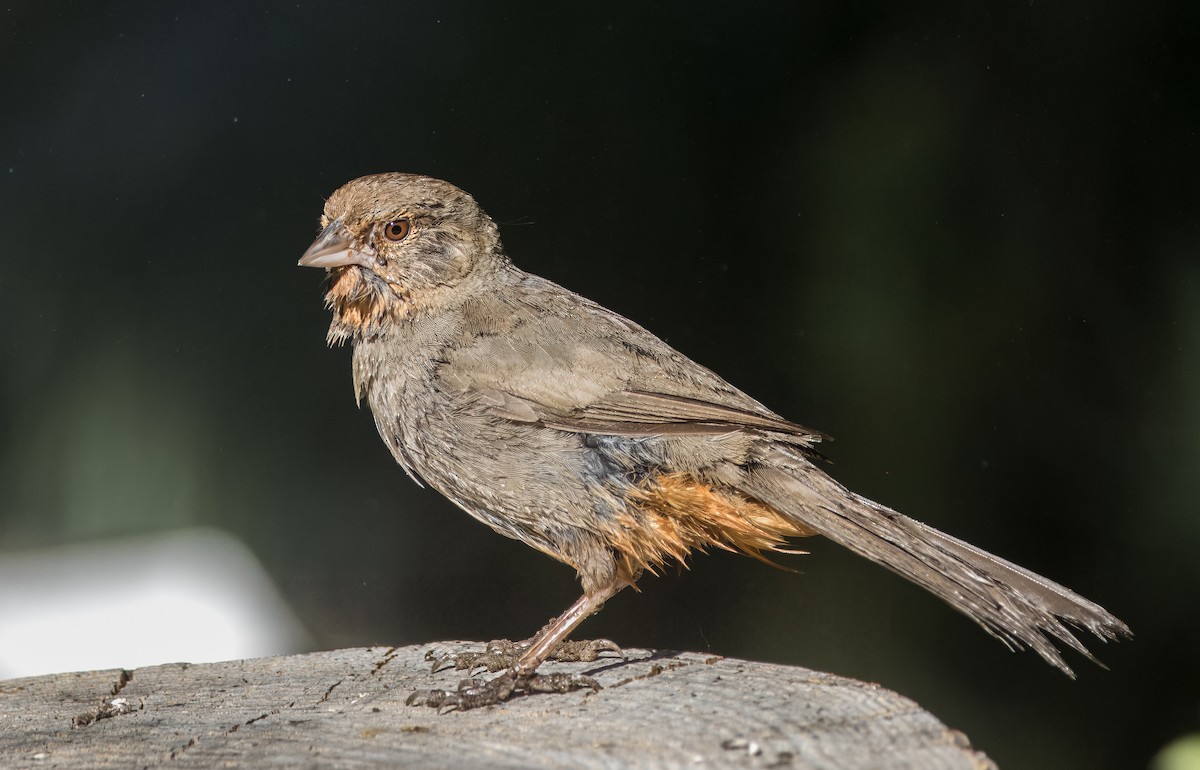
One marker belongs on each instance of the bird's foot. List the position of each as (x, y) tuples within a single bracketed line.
[(501, 654), (584, 651), (474, 693), (498, 655)]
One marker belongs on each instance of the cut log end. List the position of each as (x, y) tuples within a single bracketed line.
[(347, 708)]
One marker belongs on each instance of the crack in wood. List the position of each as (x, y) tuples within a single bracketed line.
[(111, 705), (124, 678), (654, 671), (114, 708), (332, 687), (388, 657), (176, 752)]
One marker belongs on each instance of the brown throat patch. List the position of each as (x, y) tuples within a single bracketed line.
[(360, 304), (673, 514)]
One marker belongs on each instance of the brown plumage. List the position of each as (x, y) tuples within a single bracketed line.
[(564, 425), (671, 515)]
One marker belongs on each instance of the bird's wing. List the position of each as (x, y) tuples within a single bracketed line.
[(635, 412), (550, 357)]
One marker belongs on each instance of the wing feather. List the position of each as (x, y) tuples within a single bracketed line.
[(540, 362)]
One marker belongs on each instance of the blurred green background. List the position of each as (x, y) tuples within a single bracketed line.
[(962, 240)]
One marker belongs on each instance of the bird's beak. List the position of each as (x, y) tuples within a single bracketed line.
[(334, 247)]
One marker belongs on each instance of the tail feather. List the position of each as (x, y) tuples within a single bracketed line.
[(1019, 607)]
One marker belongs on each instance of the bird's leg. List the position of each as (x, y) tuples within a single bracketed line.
[(521, 676), (500, 654)]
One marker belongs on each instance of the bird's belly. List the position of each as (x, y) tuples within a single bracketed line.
[(524, 481)]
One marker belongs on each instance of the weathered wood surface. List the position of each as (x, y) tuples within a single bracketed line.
[(346, 709)]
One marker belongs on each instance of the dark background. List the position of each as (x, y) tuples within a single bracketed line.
[(963, 241)]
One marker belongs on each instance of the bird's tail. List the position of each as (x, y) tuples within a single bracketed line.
[(1017, 606)]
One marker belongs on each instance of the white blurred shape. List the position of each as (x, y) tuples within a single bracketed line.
[(188, 595)]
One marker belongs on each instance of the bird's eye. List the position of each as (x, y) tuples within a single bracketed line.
[(397, 230)]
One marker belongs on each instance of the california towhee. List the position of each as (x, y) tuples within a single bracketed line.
[(572, 429)]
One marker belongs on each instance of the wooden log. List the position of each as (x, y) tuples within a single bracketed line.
[(346, 709)]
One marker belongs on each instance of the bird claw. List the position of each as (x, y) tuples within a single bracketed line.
[(559, 682), (498, 655), (501, 654), (584, 651), (475, 693)]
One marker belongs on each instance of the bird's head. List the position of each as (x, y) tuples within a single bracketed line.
[(395, 244)]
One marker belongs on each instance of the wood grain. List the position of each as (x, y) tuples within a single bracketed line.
[(345, 709)]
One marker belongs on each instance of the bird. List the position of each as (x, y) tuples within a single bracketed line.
[(564, 425)]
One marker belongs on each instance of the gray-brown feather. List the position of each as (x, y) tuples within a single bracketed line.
[(540, 412), (1015, 605), (522, 404)]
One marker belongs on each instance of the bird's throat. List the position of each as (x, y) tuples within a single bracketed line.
[(362, 304)]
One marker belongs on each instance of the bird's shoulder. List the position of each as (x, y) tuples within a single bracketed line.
[(534, 351), (531, 337)]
